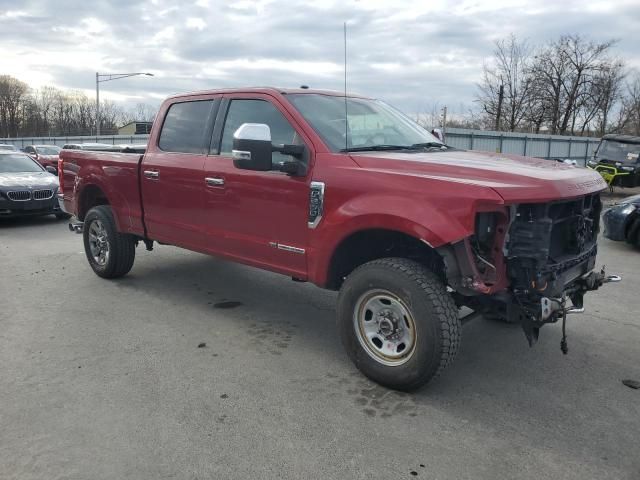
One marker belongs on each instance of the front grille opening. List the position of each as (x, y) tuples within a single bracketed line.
[(20, 195), (42, 194), (553, 231)]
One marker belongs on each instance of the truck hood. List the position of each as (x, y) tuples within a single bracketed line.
[(515, 178), (27, 180)]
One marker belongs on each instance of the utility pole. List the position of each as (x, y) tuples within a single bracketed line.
[(108, 77), (444, 120), (500, 99), (97, 104)]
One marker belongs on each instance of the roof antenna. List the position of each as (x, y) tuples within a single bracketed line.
[(346, 121)]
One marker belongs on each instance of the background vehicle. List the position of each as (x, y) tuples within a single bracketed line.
[(7, 147), (26, 188), (45, 155), (622, 221), (96, 147), (617, 160), (406, 228)]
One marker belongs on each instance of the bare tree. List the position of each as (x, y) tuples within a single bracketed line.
[(12, 93), (566, 72), (603, 93), (506, 83), (629, 114)]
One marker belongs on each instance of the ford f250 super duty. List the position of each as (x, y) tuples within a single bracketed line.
[(351, 195)]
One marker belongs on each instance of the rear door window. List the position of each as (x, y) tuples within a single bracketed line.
[(185, 126)]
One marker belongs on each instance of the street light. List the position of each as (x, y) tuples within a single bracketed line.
[(107, 77)]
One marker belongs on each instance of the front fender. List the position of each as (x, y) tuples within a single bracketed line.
[(427, 223)]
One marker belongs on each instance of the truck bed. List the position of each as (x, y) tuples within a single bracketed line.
[(115, 175)]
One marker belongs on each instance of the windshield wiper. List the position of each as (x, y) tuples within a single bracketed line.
[(429, 145), (383, 147), (378, 148)]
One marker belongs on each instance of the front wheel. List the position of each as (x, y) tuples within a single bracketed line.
[(110, 253), (397, 322)]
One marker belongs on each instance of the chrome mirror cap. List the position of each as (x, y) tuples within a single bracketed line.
[(253, 131)]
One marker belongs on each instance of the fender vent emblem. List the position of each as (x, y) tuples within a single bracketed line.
[(316, 204)]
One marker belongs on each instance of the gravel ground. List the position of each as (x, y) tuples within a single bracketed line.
[(106, 380)]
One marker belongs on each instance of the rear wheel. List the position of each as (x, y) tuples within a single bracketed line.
[(110, 253), (397, 322)]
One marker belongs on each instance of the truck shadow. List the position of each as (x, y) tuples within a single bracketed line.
[(30, 222), (497, 384)]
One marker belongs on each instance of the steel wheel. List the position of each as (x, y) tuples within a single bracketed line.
[(98, 242), (385, 327)]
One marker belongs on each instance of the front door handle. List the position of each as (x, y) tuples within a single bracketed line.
[(214, 182), (152, 174)]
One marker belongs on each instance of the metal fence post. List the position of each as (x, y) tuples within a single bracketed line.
[(569, 154), (525, 146), (471, 145), (586, 152), (501, 139), (549, 147)]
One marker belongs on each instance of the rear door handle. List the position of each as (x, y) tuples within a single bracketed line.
[(153, 175), (214, 182)]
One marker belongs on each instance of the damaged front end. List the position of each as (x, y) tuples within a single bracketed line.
[(531, 265)]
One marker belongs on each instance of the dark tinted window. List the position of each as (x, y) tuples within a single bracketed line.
[(258, 111), (184, 127)]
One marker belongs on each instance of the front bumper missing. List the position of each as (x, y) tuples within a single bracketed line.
[(532, 314)]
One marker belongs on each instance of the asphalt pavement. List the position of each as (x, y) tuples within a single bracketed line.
[(196, 368)]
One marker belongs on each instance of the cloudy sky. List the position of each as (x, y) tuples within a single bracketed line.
[(410, 53)]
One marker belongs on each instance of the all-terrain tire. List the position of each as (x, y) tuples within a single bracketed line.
[(121, 247), (432, 310)]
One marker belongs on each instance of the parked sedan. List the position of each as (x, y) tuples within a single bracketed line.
[(622, 221), (45, 155), (26, 188)]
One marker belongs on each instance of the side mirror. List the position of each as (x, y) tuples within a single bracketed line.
[(436, 132), (252, 147), (51, 170)]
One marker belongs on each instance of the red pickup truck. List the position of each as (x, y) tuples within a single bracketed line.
[(351, 195)]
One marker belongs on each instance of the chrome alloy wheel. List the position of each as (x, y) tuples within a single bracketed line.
[(98, 243), (385, 327)]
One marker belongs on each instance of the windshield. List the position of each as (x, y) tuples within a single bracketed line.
[(618, 151), (48, 150), (371, 124), (17, 163)]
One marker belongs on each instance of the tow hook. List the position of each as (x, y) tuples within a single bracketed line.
[(76, 227), (591, 281), (612, 279)]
